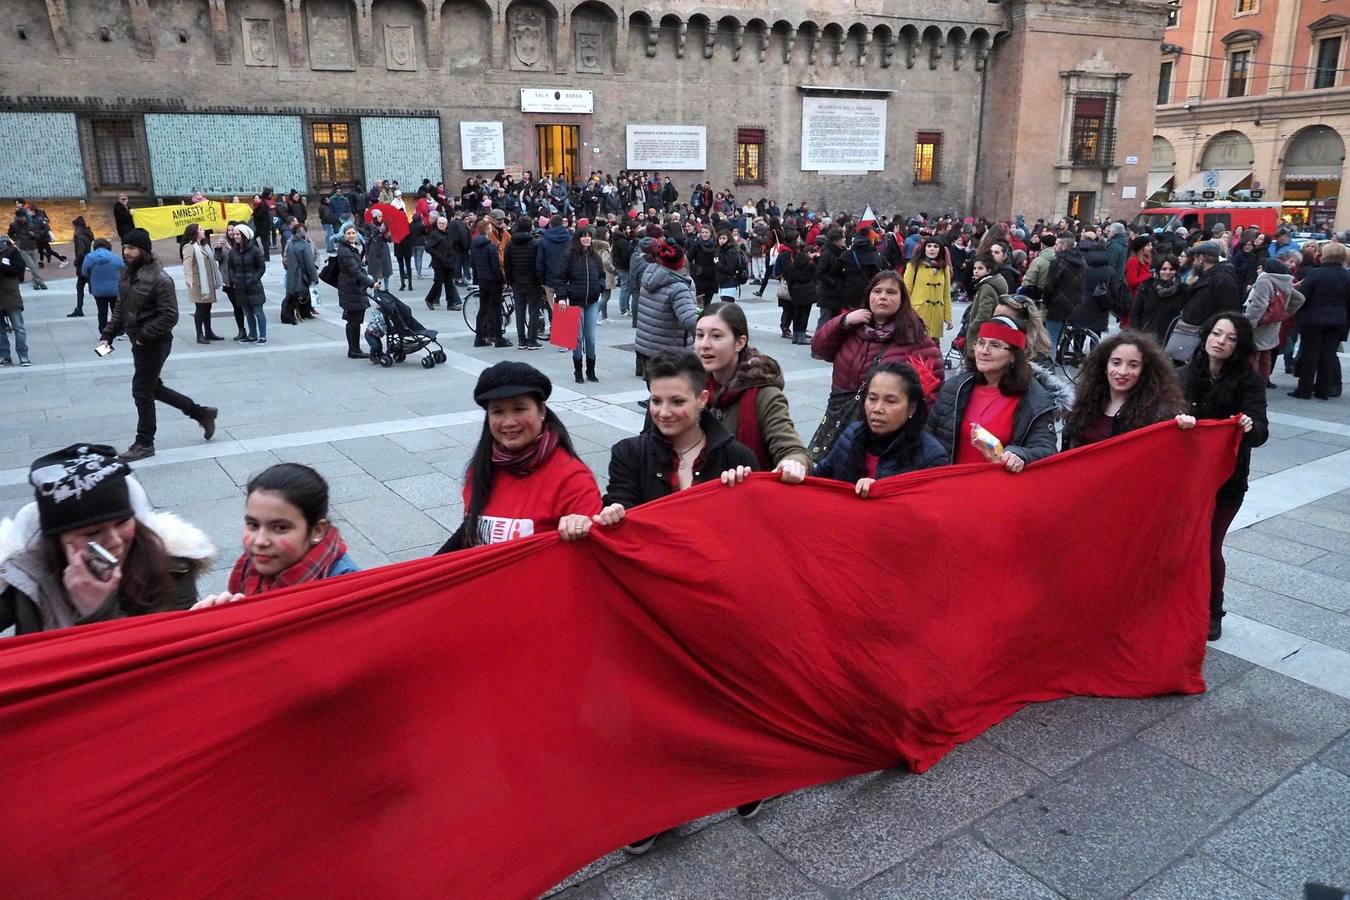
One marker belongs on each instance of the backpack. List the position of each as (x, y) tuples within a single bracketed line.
[(331, 271), (1113, 297)]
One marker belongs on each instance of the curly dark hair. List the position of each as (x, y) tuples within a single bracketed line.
[(1224, 392), (1156, 395)]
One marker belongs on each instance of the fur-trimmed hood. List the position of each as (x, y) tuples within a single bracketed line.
[(1060, 391), (757, 370)]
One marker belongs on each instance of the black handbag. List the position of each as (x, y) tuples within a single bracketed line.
[(841, 411)]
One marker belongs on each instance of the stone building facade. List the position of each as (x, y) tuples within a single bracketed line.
[(981, 107), (1254, 95)]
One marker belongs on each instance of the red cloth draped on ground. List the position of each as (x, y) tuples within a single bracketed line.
[(484, 723)]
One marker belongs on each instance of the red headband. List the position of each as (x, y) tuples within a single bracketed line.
[(1000, 332)]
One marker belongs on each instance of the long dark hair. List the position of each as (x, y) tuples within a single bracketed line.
[(1225, 391), (481, 474), (146, 584), (299, 485), (1155, 397), (734, 317), (576, 249), (909, 328), (910, 435)]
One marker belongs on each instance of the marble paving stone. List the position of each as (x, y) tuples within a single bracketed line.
[(1110, 824), (426, 491), (359, 486), (188, 482), (392, 523), (1056, 736), (962, 867), (1262, 542), (244, 466), (844, 833), (1331, 593), (1298, 832), (723, 861), (1320, 515), (1305, 619), (1339, 501), (414, 553), (1254, 730), (592, 889), (1336, 565), (1293, 530), (1337, 756), (362, 551), (427, 439), (381, 457), (448, 516), (1221, 667), (1197, 877)]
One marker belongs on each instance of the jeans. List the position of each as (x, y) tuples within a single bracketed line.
[(328, 234), (529, 312), (465, 268), (256, 316), (146, 388), (15, 320), (621, 281), (1055, 328), (30, 260), (417, 258), (590, 314), (489, 324)]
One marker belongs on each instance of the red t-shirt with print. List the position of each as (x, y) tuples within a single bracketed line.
[(992, 409), (524, 505)]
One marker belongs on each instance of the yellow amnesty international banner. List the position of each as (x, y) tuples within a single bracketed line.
[(170, 221)]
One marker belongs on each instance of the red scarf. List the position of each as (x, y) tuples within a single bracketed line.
[(315, 564), (747, 420), (524, 461)]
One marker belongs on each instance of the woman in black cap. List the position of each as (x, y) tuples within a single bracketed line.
[(90, 549), (524, 477)]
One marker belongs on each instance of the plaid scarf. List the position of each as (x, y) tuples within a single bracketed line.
[(524, 461), (315, 564)]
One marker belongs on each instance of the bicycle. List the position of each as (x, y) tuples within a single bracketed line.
[(470, 298), (1075, 343)]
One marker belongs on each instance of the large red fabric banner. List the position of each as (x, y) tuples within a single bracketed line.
[(480, 725)]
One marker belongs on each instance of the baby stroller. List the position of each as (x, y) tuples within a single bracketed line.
[(392, 333)]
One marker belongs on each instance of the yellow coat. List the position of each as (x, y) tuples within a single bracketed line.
[(930, 292)]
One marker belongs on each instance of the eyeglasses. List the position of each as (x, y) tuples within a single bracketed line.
[(988, 344)]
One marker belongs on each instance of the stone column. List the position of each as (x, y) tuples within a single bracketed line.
[(497, 60), (295, 33), (58, 14), (435, 46), (140, 24), (220, 32), (621, 45), (680, 39), (562, 59), (365, 33), (1283, 70)]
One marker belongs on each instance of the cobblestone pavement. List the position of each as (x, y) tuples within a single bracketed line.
[(1242, 792)]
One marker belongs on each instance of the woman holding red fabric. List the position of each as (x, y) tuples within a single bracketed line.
[(998, 393), (524, 477), (1127, 383), (288, 539), (743, 380)]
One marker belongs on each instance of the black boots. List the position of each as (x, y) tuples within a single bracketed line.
[(590, 369), (576, 365)]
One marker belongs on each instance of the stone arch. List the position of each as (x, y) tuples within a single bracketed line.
[(466, 33), (1228, 150), (958, 41), (808, 43), (858, 40), (909, 37), (1162, 165), (785, 33), (883, 45), (1314, 150), (831, 51), (399, 32), (594, 27), (700, 33), (642, 34), (982, 42), (933, 43), (674, 31), (731, 36), (531, 35), (757, 32)]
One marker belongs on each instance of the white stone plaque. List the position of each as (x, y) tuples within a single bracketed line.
[(556, 101), (841, 135), (481, 147), (677, 148)]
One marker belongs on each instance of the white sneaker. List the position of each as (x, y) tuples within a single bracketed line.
[(64, 263)]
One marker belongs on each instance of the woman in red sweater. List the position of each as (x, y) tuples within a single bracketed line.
[(1138, 268), (524, 477)]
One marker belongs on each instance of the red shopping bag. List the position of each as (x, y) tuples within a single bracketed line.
[(566, 326)]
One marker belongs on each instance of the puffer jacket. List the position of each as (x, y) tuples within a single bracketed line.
[(858, 265), (353, 279), (1033, 421), (32, 597), (830, 278), (1063, 288), (855, 349), (666, 311), (246, 273), (638, 262), (798, 271), (147, 305), (486, 260), (702, 263), (1098, 274), (844, 462), (730, 266), (521, 255), (301, 271), (551, 247), (12, 268), (580, 278), (640, 467), (103, 268), (1267, 286), (23, 233)]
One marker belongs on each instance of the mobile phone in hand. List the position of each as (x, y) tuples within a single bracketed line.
[(104, 349), (100, 562)]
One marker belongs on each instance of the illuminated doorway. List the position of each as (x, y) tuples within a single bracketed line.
[(558, 151)]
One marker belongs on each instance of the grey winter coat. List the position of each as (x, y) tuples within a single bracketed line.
[(666, 310), (301, 271), (377, 253), (1258, 301), (1033, 422)]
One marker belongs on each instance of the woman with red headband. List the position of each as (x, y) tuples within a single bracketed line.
[(997, 393)]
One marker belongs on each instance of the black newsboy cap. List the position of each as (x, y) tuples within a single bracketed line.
[(510, 379)]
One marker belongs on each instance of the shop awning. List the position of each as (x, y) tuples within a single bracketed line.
[(1227, 180), (1157, 181), (1311, 173)]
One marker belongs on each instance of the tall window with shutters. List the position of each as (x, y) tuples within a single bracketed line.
[(750, 156), (928, 157), (1092, 139), (119, 163)]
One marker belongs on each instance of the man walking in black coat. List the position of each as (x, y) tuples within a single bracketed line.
[(523, 276), (443, 265), (147, 310)]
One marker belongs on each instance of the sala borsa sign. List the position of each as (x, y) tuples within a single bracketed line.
[(556, 101)]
